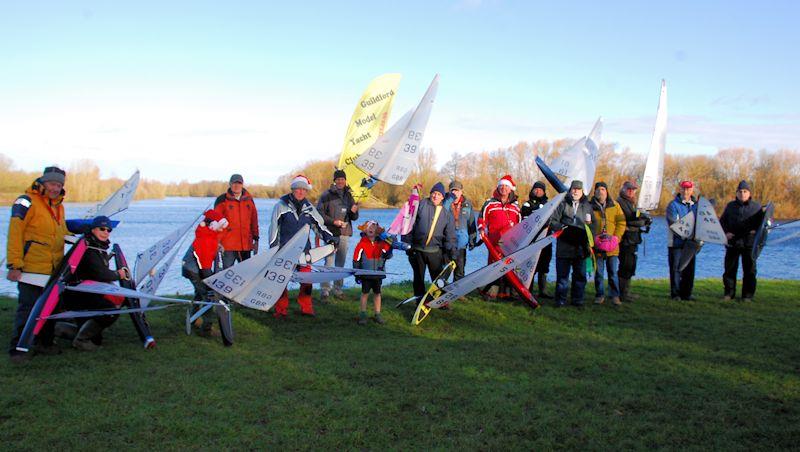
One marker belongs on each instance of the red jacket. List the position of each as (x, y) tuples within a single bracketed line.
[(205, 246), (370, 255), (497, 217), (242, 219)]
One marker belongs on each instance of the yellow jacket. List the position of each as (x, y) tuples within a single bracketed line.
[(614, 221), (36, 232)]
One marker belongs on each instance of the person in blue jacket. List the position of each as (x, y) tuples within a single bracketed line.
[(681, 283), (465, 224)]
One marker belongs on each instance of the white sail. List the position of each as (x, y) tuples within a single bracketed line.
[(146, 260), (653, 177), (265, 290), (118, 201), (153, 279), (394, 155), (708, 228), (523, 233), (236, 279), (684, 227), (488, 274), (579, 161), (374, 159)]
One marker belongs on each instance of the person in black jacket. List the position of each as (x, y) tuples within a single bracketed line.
[(94, 266), (740, 220), (537, 198), (339, 210), (432, 239), (636, 223), (572, 246)]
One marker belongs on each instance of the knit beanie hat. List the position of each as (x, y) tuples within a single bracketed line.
[(339, 173), (53, 174), (540, 184), (438, 186), (743, 185)]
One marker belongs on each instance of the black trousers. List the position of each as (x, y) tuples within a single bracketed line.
[(28, 294), (79, 301), (231, 257), (461, 262), (627, 261), (732, 256), (419, 260), (681, 283)]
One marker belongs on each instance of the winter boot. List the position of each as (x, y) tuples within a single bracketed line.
[(65, 330), (83, 340), (362, 318), (379, 319), (542, 284), (624, 289)]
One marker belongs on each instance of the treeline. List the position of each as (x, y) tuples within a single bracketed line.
[(774, 176), (85, 185)]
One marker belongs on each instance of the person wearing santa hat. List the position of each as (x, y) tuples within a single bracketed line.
[(290, 214), (499, 214), (200, 262)]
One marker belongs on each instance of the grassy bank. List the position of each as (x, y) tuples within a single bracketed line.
[(652, 374)]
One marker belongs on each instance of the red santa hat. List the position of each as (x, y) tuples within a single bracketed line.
[(507, 180), (212, 215), (301, 181)]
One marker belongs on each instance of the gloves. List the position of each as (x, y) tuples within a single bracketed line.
[(358, 280), (333, 241)]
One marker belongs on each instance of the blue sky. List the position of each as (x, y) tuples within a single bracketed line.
[(198, 90)]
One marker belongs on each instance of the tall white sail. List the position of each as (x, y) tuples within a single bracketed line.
[(653, 177), (118, 201), (579, 161), (393, 156)]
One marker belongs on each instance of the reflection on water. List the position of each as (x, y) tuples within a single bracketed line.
[(148, 221)]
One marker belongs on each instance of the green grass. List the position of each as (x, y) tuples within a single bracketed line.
[(652, 374)]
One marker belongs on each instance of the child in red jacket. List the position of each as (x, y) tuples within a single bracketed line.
[(204, 250), (371, 253)]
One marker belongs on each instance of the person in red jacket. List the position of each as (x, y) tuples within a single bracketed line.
[(240, 238), (204, 250), (371, 253), (499, 214)]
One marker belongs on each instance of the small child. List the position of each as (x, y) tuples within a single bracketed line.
[(199, 261), (371, 253)]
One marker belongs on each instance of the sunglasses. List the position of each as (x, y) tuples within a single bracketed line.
[(104, 229)]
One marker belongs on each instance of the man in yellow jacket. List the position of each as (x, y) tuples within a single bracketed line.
[(609, 224), (36, 245)]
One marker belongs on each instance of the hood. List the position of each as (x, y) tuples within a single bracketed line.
[(245, 195)]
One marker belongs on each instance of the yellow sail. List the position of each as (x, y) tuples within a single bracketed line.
[(366, 125)]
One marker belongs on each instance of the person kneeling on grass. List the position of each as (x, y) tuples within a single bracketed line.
[(199, 263), (87, 335), (371, 253)]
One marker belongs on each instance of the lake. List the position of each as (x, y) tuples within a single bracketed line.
[(145, 222)]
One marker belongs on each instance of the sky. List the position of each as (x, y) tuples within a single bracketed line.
[(199, 90)]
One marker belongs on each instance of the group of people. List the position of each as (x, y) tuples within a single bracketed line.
[(600, 229)]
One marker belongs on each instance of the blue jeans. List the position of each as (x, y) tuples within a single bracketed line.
[(604, 263), (563, 267)]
